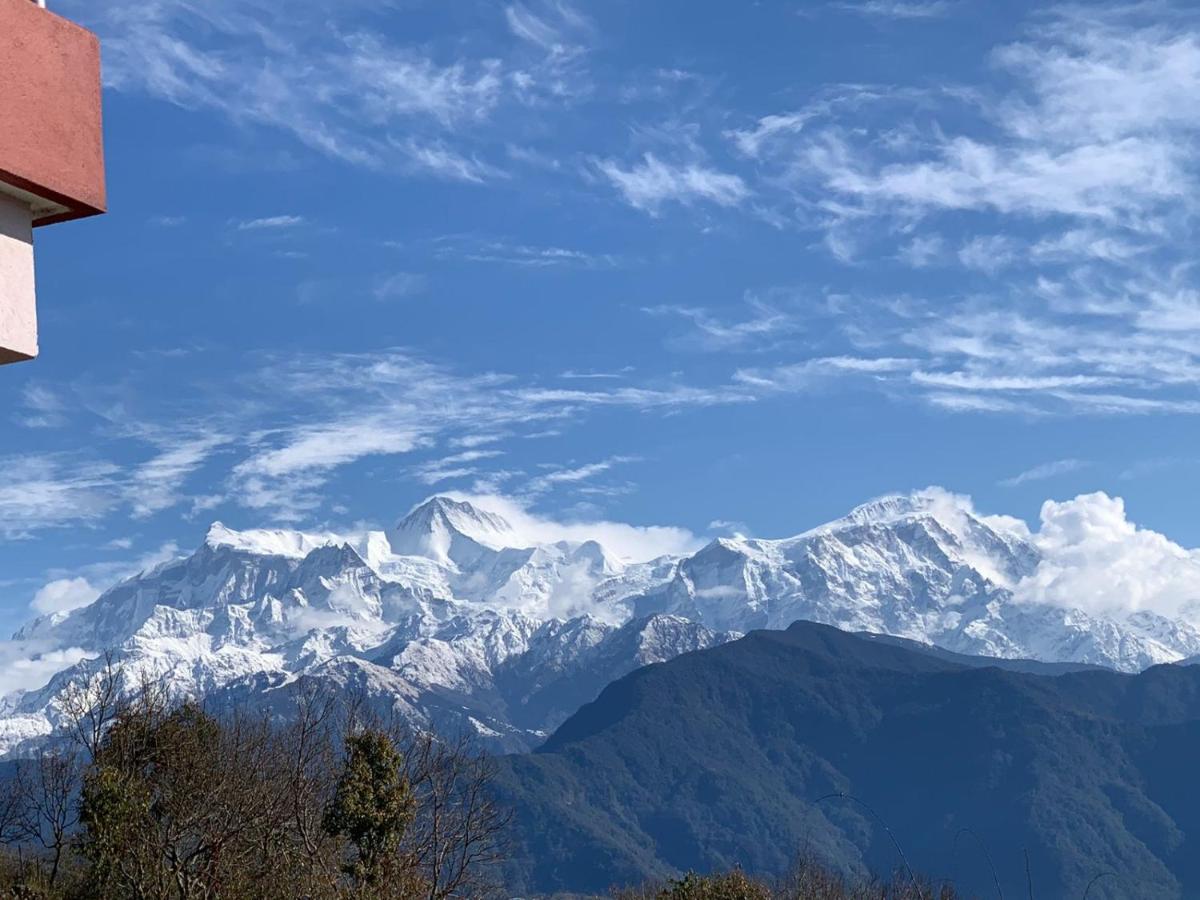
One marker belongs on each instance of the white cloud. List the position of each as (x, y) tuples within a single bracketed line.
[(69, 587), (1096, 560), (63, 595), (399, 285), (44, 407), (988, 253), (51, 490), (811, 372), (736, 529), (518, 254), (635, 543), (54, 489), (898, 9), (436, 158), (457, 465), (572, 475), (767, 322), (402, 82), (270, 222), (978, 403), (327, 446), (922, 251), (315, 415), (1086, 244), (1008, 383), (1098, 78), (271, 436), (1046, 470), (651, 183), (552, 30), (750, 141), (156, 484), (317, 73), (28, 665), (1122, 181), (1083, 136), (1086, 344)]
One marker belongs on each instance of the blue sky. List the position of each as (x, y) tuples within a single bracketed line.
[(712, 266)]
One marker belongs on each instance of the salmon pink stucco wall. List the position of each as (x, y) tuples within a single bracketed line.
[(51, 142)]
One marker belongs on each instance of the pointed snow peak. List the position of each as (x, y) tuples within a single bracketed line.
[(219, 535), (460, 515), (340, 555), (434, 527), (596, 555)]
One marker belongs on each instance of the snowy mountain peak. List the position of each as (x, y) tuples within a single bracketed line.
[(267, 542), (892, 508), (454, 609), (449, 530)]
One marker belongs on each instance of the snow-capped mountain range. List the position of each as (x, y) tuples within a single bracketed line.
[(451, 619)]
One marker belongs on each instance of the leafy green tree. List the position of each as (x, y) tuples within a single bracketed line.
[(372, 807)]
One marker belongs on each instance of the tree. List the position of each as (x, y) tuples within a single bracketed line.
[(457, 835), (177, 801), (372, 807), (91, 702), (49, 786), (157, 801)]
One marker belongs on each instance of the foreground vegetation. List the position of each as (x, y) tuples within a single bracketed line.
[(807, 881), (150, 801)]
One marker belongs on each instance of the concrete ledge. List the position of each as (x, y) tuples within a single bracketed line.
[(18, 304), (51, 137)]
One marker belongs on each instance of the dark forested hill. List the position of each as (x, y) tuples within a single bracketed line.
[(722, 757)]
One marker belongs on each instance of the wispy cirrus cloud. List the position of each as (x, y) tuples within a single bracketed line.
[(802, 376), (156, 484), (767, 324), (270, 222), (898, 9), (750, 141), (1093, 128), (437, 158), (651, 183), (454, 466), (1045, 471), (316, 416), (557, 474), (41, 407), (1069, 183), (556, 27), (1063, 189), (399, 285), (324, 77), (54, 490), (473, 248), (988, 252)]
